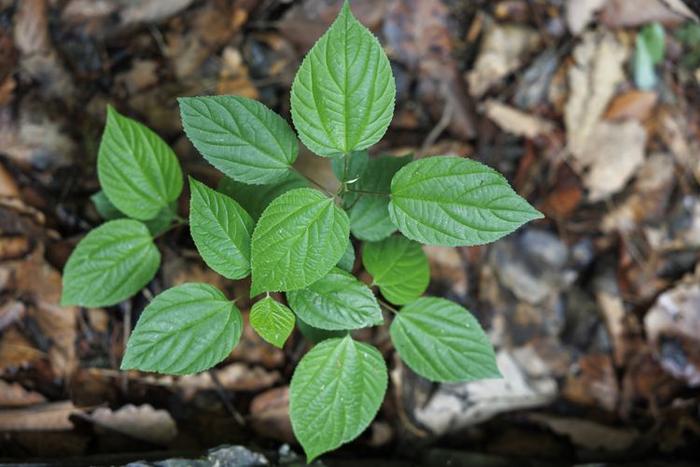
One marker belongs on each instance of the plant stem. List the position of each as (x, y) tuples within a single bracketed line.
[(387, 306), (366, 192), (319, 185)]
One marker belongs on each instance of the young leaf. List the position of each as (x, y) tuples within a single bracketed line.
[(350, 167), (255, 198), (298, 239), (336, 391), (451, 201), (348, 260), (138, 171), (156, 226), (369, 215), (184, 330), (221, 230), (343, 94), (654, 37), (239, 136), (336, 302), (398, 266), (112, 263), (316, 335), (442, 341), (273, 321)]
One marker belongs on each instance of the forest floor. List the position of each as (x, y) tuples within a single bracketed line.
[(594, 310)]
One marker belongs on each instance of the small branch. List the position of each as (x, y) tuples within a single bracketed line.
[(366, 192)]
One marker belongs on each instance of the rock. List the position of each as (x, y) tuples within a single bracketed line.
[(672, 327), (235, 456)]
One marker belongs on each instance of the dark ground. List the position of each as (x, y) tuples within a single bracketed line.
[(595, 311)]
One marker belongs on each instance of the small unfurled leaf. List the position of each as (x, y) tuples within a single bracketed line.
[(347, 262), (255, 198), (184, 330), (239, 136), (221, 230), (369, 212), (398, 266), (447, 200), (156, 226), (298, 239), (336, 391), (273, 321), (112, 263), (336, 302), (351, 167), (343, 94), (655, 39), (442, 341), (138, 171)]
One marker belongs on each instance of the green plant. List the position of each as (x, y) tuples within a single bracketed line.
[(267, 222), (648, 53)]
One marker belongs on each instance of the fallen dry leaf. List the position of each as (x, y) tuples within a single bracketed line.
[(16, 350), (503, 50), (632, 104), (151, 11), (611, 156), (515, 121), (593, 79), (14, 395), (579, 13), (47, 417), (632, 13), (593, 382), (141, 422), (587, 434)]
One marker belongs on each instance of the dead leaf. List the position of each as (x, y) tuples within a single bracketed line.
[(587, 434), (633, 104), (593, 79), (234, 377), (579, 13), (143, 74), (234, 76), (503, 50), (141, 422), (14, 395), (8, 187), (612, 155), (632, 13), (592, 382), (515, 121), (649, 197), (47, 417), (151, 11), (16, 350)]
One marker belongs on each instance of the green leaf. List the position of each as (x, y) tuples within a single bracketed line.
[(239, 136), (348, 260), (316, 335), (398, 266), (336, 302), (273, 321), (156, 226), (105, 208), (138, 171), (336, 391), (644, 72), (112, 263), (298, 239), (221, 230), (451, 201), (442, 341), (369, 214), (654, 38), (184, 330), (343, 94), (255, 198), (349, 168)]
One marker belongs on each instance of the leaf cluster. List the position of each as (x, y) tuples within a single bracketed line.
[(266, 221)]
